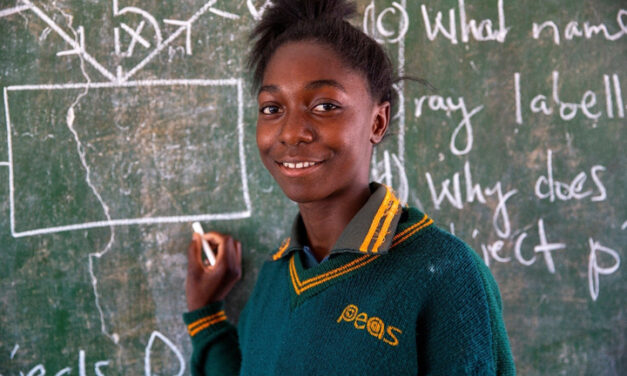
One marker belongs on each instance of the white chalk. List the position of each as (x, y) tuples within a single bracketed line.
[(205, 245)]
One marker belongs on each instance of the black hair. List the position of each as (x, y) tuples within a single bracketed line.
[(322, 21)]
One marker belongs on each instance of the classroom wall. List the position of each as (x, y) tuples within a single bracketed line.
[(127, 120)]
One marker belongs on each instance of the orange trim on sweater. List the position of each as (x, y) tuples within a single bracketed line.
[(300, 286), (205, 322), (411, 230)]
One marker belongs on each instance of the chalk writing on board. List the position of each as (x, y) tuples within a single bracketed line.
[(374, 26), (485, 30), (448, 105), (574, 30), (474, 192), (595, 267), (525, 161), (147, 358), (99, 367), (541, 104), (547, 186)]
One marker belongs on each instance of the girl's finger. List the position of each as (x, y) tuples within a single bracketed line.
[(194, 259), (218, 244)]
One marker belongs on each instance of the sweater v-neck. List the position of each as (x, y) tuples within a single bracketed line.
[(307, 282)]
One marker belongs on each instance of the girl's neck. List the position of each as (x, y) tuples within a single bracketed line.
[(325, 220)]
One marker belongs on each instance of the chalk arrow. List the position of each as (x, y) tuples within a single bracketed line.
[(188, 32), (78, 49)]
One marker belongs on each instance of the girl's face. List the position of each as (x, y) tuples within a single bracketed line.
[(317, 123)]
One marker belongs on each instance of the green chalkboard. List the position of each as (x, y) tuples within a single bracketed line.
[(127, 120)]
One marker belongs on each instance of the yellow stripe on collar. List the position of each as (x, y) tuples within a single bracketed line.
[(386, 225), (386, 212), (282, 249)]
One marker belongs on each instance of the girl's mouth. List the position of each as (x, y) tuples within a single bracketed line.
[(298, 165), (298, 168)]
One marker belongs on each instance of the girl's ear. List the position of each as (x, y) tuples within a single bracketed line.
[(380, 122)]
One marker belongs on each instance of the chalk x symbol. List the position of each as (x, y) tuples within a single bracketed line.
[(135, 37), (144, 14), (160, 46)]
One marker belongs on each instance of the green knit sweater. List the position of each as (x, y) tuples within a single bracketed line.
[(427, 305)]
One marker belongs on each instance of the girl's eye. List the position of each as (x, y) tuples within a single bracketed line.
[(324, 107), (269, 110)]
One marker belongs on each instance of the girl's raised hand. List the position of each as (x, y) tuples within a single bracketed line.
[(210, 283)]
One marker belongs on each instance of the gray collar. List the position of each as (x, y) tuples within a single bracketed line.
[(369, 232)]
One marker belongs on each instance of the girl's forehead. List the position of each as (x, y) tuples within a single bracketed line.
[(309, 61)]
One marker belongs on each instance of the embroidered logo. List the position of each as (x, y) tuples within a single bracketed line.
[(374, 325)]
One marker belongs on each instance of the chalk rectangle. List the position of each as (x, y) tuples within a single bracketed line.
[(109, 154)]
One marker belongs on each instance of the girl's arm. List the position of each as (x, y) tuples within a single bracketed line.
[(214, 339)]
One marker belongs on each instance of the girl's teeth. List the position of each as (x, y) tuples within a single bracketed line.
[(298, 165)]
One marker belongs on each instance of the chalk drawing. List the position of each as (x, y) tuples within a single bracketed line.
[(149, 17), (236, 83), (164, 339), (78, 47), (188, 28), (70, 117), (10, 11), (257, 13), (120, 80), (135, 37), (224, 14), (81, 44), (71, 41), (205, 8)]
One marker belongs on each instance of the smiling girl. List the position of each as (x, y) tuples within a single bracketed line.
[(363, 285)]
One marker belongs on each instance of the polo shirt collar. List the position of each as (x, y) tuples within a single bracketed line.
[(369, 232)]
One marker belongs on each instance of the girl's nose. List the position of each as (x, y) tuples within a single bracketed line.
[(296, 130)]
